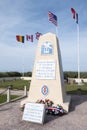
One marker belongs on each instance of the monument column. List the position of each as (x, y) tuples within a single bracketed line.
[(47, 77)]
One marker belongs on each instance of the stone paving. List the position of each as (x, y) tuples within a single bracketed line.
[(76, 119)]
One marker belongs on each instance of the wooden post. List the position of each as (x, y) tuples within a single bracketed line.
[(8, 95), (25, 91)]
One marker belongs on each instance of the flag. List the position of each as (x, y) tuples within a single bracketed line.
[(20, 38), (75, 15), (52, 17), (38, 35), (29, 38), (73, 12), (76, 18)]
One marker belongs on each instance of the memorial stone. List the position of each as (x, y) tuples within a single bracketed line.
[(47, 77)]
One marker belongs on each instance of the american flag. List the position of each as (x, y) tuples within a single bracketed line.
[(52, 17)]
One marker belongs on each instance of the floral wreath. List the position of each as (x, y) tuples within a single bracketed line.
[(47, 102)]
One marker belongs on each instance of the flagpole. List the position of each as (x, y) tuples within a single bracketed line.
[(78, 54), (56, 30), (75, 16), (23, 63), (23, 67)]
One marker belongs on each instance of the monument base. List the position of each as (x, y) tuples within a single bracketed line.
[(64, 104)]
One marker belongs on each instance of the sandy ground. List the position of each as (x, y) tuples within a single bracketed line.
[(76, 119)]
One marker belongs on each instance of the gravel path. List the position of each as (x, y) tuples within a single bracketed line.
[(76, 119)]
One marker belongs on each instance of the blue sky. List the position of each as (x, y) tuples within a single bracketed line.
[(21, 17)]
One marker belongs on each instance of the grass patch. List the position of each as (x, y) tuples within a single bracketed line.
[(75, 89), (17, 84), (3, 98)]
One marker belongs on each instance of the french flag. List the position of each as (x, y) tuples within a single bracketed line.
[(75, 14)]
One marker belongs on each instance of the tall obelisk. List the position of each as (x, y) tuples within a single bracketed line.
[(47, 77)]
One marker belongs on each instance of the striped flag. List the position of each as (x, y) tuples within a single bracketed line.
[(75, 14), (52, 17), (20, 38)]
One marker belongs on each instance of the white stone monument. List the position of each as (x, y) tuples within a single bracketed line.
[(47, 77)]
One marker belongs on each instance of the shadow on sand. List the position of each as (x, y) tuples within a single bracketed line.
[(75, 100)]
